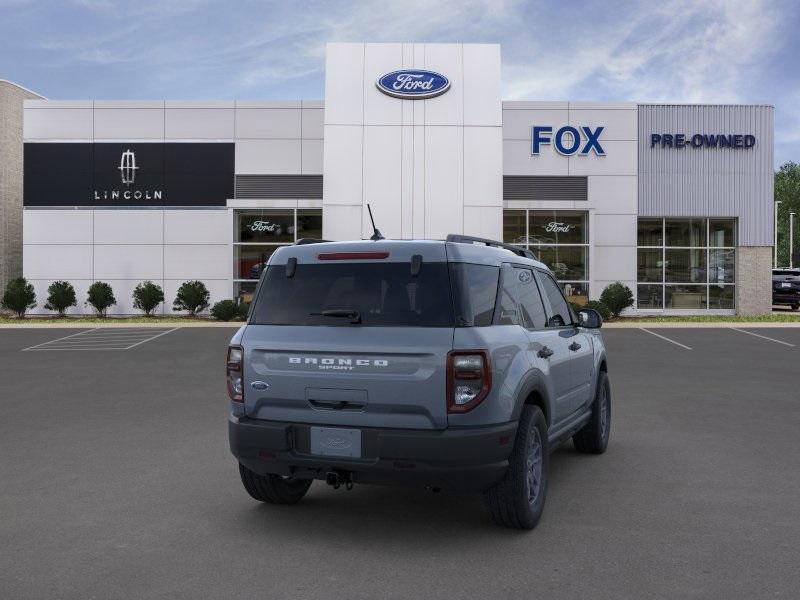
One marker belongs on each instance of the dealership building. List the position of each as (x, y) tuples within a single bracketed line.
[(674, 200)]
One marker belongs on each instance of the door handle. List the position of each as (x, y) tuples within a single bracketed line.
[(545, 352), (574, 346)]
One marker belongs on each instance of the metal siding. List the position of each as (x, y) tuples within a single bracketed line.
[(304, 187), (709, 182), (545, 188)]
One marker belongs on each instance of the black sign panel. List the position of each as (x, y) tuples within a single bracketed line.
[(128, 174)]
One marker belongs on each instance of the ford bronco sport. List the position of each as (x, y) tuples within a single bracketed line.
[(452, 364)]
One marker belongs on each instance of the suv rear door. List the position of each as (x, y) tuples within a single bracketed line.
[(578, 343), (351, 338)]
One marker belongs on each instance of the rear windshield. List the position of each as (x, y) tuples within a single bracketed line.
[(383, 294), (786, 273)]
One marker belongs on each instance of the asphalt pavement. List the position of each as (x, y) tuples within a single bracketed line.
[(116, 482)]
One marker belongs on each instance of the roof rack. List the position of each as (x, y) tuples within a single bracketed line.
[(468, 239), (304, 241)]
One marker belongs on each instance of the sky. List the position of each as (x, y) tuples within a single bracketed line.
[(713, 51)]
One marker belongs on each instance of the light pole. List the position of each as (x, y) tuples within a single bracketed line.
[(777, 202), (791, 238)]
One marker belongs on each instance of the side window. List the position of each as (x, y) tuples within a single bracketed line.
[(530, 300), (508, 303), (520, 302), (560, 313)]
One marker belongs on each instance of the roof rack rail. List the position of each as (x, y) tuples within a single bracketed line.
[(468, 239), (304, 241)]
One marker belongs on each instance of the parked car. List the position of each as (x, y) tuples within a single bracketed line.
[(451, 364), (786, 287)]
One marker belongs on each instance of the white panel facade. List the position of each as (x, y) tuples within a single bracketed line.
[(268, 157), (197, 261), (408, 158), (199, 123), (268, 123), (128, 226), (198, 227), (128, 123), (57, 226), (62, 261), (129, 261), (58, 123)]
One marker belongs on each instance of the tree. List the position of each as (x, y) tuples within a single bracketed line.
[(147, 296), (787, 191), (617, 297), (101, 297), (60, 296), (192, 296), (19, 297)]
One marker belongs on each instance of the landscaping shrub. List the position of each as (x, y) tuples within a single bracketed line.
[(60, 296), (224, 310), (192, 296), (242, 310), (101, 297), (147, 296), (19, 297), (617, 297), (599, 307)]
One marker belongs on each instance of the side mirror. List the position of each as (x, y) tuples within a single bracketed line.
[(590, 318)]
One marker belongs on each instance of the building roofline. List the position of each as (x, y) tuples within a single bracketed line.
[(22, 87)]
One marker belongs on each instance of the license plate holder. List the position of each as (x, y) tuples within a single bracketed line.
[(336, 441)]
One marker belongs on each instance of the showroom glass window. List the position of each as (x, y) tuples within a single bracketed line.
[(258, 233), (560, 239), (686, 264)]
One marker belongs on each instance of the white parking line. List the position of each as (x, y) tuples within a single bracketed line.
[(658, 335), (763, 337), (59, 339), (98, 339)]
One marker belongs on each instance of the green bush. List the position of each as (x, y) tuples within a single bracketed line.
[(192, 296), (224, 310), (19, 297), (60, 296), (617, 297), (599, 307), (147, 296), (101, 297), (241, 311)]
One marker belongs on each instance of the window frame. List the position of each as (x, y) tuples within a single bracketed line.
[(707, 249), (501, 283), (549, 307)]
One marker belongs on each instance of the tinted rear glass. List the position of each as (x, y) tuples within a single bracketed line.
[(384, 294), (474, 293), (784, 274)]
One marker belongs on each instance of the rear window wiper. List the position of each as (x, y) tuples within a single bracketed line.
[(344, 313)]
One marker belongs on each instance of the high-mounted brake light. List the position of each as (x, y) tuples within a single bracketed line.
[(469, 379), (352, 255), (233, 373)]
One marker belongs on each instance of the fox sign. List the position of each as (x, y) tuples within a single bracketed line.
[(568, 140)]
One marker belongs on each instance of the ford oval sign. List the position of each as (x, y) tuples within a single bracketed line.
[(413, 84)]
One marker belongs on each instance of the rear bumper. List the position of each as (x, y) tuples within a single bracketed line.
[(458, 458), (786, 297)]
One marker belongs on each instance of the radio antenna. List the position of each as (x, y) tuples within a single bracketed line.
[(377, 234)]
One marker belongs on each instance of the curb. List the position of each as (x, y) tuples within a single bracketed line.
[(79, 325)]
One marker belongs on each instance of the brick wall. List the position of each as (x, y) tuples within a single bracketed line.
[(11, 101), (753, 280)]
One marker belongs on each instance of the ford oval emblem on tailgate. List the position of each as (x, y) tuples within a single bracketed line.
[(259, 385)]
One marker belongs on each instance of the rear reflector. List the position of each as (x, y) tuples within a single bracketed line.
[(352, 255)]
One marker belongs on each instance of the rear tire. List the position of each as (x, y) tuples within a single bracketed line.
[(273, 489), (518, 500), (593, 437), (795, 306)]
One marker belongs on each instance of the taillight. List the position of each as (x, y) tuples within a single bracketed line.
[(233, 372), (469, 379)]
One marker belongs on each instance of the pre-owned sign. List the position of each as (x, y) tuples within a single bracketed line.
[(702, 140)]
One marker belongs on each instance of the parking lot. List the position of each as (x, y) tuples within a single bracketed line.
[(116, 482)]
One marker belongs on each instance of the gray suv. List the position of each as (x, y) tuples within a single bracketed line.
[(452, 364)]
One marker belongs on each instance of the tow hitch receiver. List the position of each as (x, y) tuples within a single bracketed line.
[(339, 478)]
